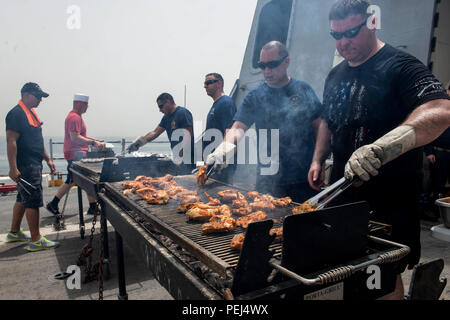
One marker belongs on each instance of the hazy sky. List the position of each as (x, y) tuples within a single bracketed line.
[(124, 55)]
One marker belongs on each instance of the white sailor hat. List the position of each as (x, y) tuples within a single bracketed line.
[(80, 97)]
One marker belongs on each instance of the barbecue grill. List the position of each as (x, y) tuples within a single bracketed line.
[(331, 262), (90, 175)]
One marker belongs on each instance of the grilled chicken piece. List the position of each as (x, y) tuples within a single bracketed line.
[(133, 185), (168, 185), (212, 201), (153, 196), (174, 191), (282, 202), (185, 207), (237, 241), (127, 191), (304, 207), (252, 217), (198, 214), (219, 223), (230, 195), (264, 197), (252, 195), (190, 198), (225, 210), (185, 192), (278, 232), (141, 178), (201, 176), (221, 209), (241, 207), (262, 205), (241, 203), (243, 211), (145, 192)]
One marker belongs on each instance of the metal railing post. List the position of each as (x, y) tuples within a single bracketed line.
[(123, 146), (51, 152)]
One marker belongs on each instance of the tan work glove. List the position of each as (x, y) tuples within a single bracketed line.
[(218, 158), (365, 161), (139, 142)]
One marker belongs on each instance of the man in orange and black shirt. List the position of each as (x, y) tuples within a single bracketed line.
[(25, 149)]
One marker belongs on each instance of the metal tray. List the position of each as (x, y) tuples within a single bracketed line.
[(444, 208)]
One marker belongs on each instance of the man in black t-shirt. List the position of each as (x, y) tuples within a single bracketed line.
[(178, 124), (379, 104), (25, 149), (285, 112)]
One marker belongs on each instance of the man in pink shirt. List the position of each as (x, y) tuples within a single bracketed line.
[(76, 144)]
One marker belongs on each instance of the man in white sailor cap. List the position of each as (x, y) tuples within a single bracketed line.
[(76, 143)]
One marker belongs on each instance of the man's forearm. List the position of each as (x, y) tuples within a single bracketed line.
[(11, 150), (81, 140), (236, 132), (429, 121), (46, 156), (323, 146)]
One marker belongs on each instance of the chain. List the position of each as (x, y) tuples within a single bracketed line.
[(59, 223), (86, 253)]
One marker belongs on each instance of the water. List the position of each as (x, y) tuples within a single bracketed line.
[(61, 165)]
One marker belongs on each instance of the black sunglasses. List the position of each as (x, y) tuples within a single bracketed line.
[(208, 82), (160, 106), (271, 64), (349, 34)]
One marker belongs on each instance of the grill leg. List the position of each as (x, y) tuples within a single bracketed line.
[(80, 211), (121, 268), (105, 245)]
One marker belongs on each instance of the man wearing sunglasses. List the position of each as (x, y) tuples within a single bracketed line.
[(281, 107), (25, 149), (220, 117), (379, 103), (177, 122)]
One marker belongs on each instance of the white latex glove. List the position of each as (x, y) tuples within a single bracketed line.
[(224, 151), (365, 161), (139, 142)]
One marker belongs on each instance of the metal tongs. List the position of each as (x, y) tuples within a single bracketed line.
[(22, 182), (331, 192), (209, 170)]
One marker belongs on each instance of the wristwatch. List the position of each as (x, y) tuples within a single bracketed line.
[(93, 143)]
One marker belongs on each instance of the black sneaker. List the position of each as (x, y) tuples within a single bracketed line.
[(52, 208), (90, 211)]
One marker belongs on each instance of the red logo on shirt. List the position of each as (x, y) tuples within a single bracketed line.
[(295, 100)]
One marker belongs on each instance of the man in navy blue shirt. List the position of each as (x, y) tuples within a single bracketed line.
[(178, 124), (220, 117), (286, 111)]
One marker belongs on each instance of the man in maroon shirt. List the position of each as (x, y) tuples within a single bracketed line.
[(75, 142)]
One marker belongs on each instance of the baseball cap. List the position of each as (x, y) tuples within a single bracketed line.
[(34, 89)]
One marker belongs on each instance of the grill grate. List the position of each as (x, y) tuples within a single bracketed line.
[(212, 249)]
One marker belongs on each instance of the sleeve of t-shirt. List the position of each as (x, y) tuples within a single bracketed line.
[(74, 125), (163, 121), (225, 113), (184, 119), (416, 84), (14, 122), (312, 102), (246, 113)]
